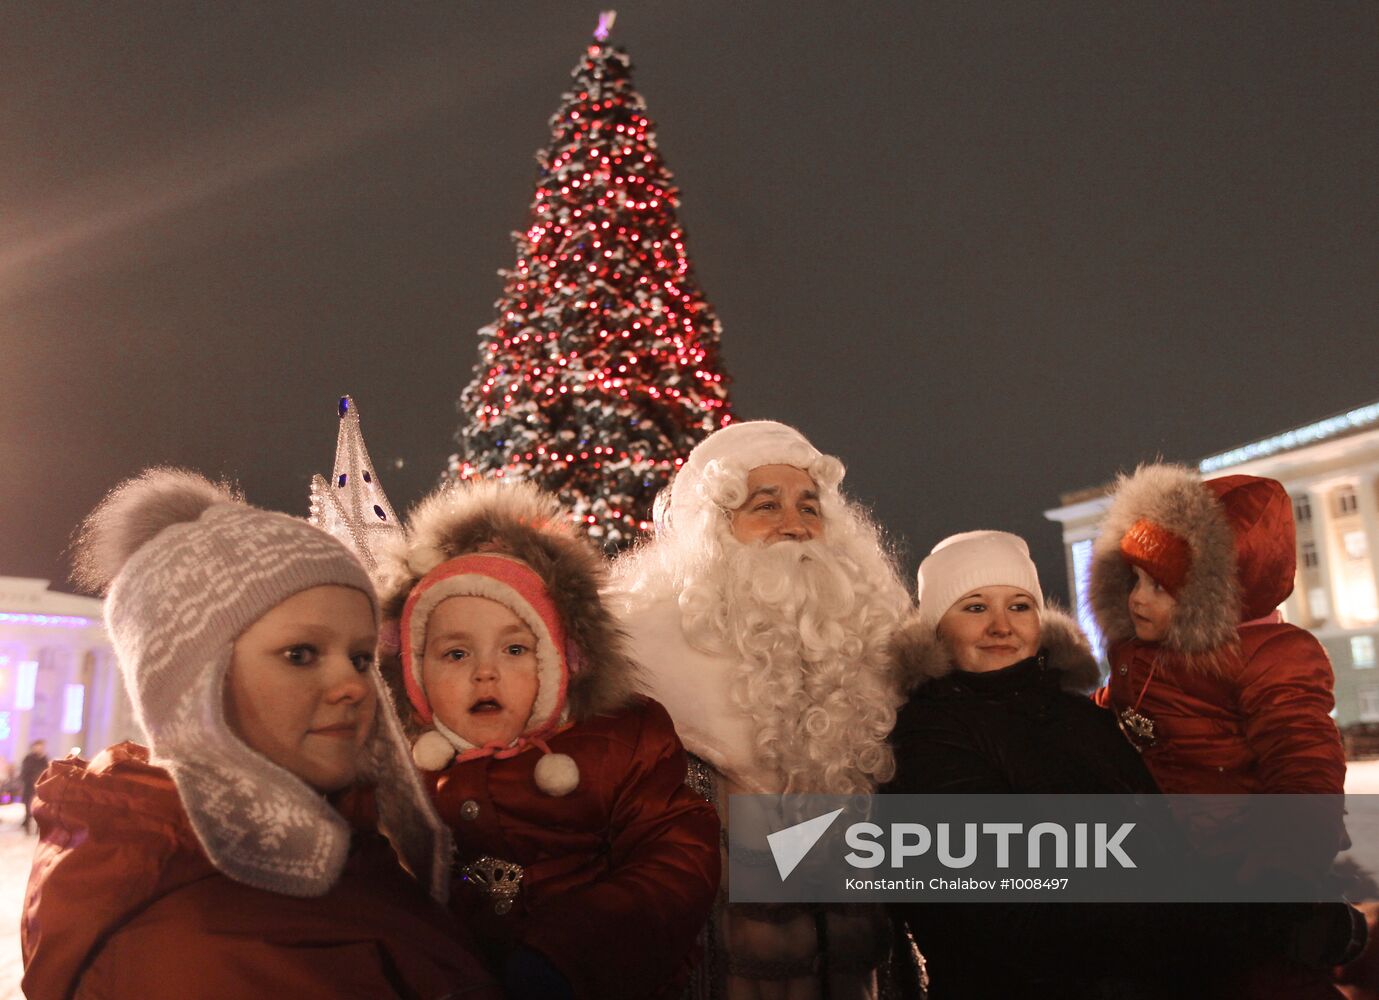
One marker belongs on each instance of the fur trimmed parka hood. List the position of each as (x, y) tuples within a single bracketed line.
[(1237, 543), (518, 520), (921, 656)]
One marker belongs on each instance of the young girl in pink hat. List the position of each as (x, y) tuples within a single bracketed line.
[(585, 866)]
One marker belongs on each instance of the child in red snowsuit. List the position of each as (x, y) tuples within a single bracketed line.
[(586, 867), (1218, 693)]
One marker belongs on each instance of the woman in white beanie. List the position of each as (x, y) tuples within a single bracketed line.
[(999, 684), (214, 863)]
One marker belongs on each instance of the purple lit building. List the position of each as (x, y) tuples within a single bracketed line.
[(58, 677)]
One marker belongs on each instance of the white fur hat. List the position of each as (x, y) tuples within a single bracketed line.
[(714, 477), (962, 563)]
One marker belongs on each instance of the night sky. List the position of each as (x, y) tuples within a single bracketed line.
[(987, 253)]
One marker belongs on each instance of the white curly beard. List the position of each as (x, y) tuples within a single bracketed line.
[(806, 626)]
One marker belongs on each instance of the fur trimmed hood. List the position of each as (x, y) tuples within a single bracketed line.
[(920, 655), (518, 520), (1238, 540)]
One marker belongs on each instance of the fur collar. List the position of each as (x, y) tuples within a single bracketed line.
[(519, 520), (920, 656), (1204, 624)]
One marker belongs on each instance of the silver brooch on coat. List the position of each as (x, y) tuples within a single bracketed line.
[(498, 879), (1138, 729)]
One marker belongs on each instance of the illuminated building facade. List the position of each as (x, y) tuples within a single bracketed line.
[(59, 681), (1331, 470)]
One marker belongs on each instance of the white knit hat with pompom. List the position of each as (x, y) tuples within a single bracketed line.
[(187, 567)]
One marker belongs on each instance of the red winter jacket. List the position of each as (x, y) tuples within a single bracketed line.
[(122, 903), (619, 875), (1260, 724), (1240, 702)]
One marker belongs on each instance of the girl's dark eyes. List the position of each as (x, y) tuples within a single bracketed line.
[(518, 649), (454, 654), (1019, 606), (300, 656), (306, 655), (975, 609)]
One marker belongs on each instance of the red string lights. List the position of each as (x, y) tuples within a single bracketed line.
[(600, 371)]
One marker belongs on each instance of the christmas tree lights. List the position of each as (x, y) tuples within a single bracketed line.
[(601, 369)]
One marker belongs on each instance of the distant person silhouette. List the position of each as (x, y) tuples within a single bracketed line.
[(34, 763)]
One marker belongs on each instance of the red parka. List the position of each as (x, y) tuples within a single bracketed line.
[(618, 875), (123, 903), (1260, 724), (1239, 701)]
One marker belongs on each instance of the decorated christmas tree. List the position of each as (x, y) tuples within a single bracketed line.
[(601, 370), (352, 506)]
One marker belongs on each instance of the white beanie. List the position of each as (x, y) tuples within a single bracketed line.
[(962, 563), (715, 473)]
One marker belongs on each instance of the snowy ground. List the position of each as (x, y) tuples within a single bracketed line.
[(16, 850), (1362, 777)]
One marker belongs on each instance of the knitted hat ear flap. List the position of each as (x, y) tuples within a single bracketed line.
[(210, 775), (405, 814)]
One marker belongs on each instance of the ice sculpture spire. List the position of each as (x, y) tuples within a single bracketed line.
[(353, 506)]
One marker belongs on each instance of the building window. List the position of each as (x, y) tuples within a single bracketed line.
[(1368, 697), (1318, 604), (1309, 555), (1347, 502), (1302, 510), (1355, 544), (73, 704), (1362, 651), (27, 684)]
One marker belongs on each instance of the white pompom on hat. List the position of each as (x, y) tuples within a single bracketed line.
[(973, 559)]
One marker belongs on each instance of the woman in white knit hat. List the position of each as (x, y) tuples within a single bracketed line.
[(980, 653), (999, 684), (214, 863)]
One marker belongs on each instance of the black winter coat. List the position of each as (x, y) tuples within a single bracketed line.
[(1011, 731)]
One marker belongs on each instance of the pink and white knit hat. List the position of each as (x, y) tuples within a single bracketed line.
[(517, 587)]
